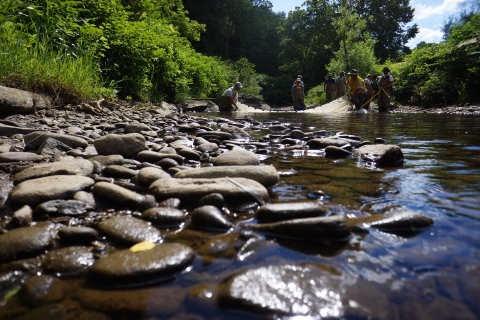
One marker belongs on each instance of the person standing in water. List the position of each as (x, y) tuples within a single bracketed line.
[(228, 101), (298, 95)]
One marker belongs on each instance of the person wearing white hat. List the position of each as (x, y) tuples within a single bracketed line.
[(329, 87), (228, 101)]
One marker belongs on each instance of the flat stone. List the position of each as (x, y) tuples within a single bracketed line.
[(62, 208), (129, 230), (154, 157), (68, 260), (237, 133), (122, 196), (404, 222), (150, 174), (380, 154), (208, 147), (38, 138), (119, 172), (40, 190), (114, 159), (191, 190), (336, 152), (210, 217), (24, 242), (74, 167), (19, 156), (236, 157), (266, 175), (164, 260), (290, 210), (78, 234), (322, 143), (136, 128), (126, 145), (165, 216), (52, 147)]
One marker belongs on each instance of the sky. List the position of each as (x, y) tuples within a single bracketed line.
[(429, 15)]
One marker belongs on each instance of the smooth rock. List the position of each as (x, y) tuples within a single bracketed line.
[(126, 145), (292, 210), (40, 290), (165, 216), (78, 234), (405, 222), (22, 217), (19, 156), (52, 147), (122, 196), (218, 134), (318, 228), (136, 128), (164, 260), (24, 242), (68, 260), (38, 138), (114, 159), (62, 208), (236, 157), (78, 167), (119, 172), (322, 143), (213, 199), (193, 189), (154, 157), (336, 152), (208, 147), (39, 190), (129, 230), (150, 174), (380, 154), (86, 197), (210, 217), (236, 133), (266, 175)]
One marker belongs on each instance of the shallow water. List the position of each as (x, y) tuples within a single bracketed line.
[(431, 275)]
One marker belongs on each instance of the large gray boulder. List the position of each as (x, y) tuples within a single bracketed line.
[(77, 167), (126, 145), (380, 154), (18, 101), (236, 157)]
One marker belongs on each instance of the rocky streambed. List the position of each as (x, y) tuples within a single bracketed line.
[(102, 208)]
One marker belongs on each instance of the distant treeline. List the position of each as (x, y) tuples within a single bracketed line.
[(154, 50)]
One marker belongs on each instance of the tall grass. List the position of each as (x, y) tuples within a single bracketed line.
[(316, 96), (29, 63)]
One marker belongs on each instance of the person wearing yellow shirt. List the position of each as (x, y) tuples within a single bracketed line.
[(356, 89)]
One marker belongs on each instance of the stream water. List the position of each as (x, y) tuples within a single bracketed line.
[(432, 275)]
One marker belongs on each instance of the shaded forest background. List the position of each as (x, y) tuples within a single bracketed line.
[(172, 50)]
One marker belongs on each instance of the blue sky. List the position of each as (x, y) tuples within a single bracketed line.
[(429, 16)]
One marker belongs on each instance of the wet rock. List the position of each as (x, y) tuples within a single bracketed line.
[(167, 163), (150, 174), (136, 128), (52, 147), (19, 156), (236, 157), (325, 142), (44, 189), (129, 230), (68, 260), (171, 203), (38, 138), (127, 145), (79, 167), (266, 175), (86, 197), (122, 196), (336, 152), (292, 210), (9, 279), (217, 134), (22, 217), (80, 235), (193, 189), (406, 222), (286, 289), (39, 290), (213, 199), (24, 242), (133, 303), (318, 228), (154, 157), (236, 133), (114, 159), (380, 154), (189, 154), (210, 217), (50, 311), (208, 147), (165, 216), (164, 260), (119, 172), (62, 207)]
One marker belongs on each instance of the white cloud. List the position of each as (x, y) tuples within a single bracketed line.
[(427, 35), (423, 11)]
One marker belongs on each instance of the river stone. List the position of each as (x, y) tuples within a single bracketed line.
[(189, 154), (63, 208), (52, 147), (80, 167), (78, 234), (119, 172), (210, 217), (292, 210), (401, 222), (322, 143), (171, 203), (8, 130), (190, 190), (317, 228), (154, 157), (165, 216), (68, 260), (37, 138), (164, 260), (24, 242), (19, 156), (150, 174), (336, 152), (286, 289), (43, 289), (129, 230), (39, 190), (266, 175), (123, 196), (236, 157), (114, 159), (167, 163), (86, 197), (208, 147), (381, 154), (22, 217), (297, 134), (126, 145), (217, 134), (136, 128), (237, 133), (213, 199)]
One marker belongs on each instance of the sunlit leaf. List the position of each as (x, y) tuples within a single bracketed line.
[(142, 246)]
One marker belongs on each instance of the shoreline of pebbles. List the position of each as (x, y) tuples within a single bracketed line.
[(77, 190)]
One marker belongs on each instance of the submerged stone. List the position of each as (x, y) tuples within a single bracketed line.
[(291, 210), (24, 242)]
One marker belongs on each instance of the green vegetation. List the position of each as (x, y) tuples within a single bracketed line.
[(154, 50)]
